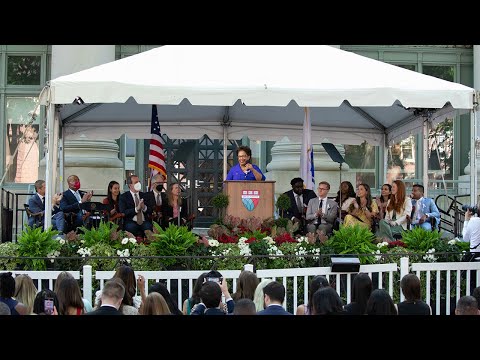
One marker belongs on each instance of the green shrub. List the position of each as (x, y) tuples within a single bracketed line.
[(283, 203), (220, 202), (420, 240), (36, 242), (353, 240), (10, 250)]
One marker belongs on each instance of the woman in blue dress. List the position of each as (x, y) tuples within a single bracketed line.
[(244, 170)]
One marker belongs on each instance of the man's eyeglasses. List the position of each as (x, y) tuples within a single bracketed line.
[(322, 189)]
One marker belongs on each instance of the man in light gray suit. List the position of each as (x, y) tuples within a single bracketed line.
[(321, 211)]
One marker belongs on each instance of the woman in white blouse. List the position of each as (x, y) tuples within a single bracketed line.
[(398, 207)]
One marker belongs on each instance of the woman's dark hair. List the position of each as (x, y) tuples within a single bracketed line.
[(7, 285), (127, 275), (382, 200), (195, 298), (410, 285), (317, 282), (39, 303), (368, 196), (69, 295), (362, 289), (162, 290), (245, 148), (109, 192), (246, 285), (351, 193), (380, 303), (326, 302)]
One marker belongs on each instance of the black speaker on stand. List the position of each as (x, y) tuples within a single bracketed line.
[(338, 158)]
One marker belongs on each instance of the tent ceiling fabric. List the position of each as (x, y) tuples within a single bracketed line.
[(261, 88)]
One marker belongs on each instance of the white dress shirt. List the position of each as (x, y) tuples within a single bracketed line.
[(471, 233)]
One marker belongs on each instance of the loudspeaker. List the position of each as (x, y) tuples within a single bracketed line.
[(345, 264)]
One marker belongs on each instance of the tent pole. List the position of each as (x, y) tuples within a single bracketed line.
[(225, 151), (425, 131), (54, 152), (473, 156), (48, 165), (61, 158)]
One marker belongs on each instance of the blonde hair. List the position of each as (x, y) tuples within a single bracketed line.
[(258, 296), (155, 304), (25, 291)]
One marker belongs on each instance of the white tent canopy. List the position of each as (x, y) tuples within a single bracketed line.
[(258, 91)]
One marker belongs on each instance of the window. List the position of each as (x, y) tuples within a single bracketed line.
[(23, 70)]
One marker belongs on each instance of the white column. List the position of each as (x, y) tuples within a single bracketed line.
[(96, 162), (475, 129)]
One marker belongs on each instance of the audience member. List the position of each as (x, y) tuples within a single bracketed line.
[(317, 282), (155, 304), (134, 205), (471, 232), (382, 200), (327, 302), (111, 299), (424, 209), (380, 303), (195, 298), (362, 210), (157, 197), (7, 291), (347, 193), (175, 207), (25, 291), (274, 295), (39, 303), (299, 198), (476, 295), (87, 306), (258, 297), (246, 284), (69, 298), (112, 200), (399, 206), (211, 299), (413, 305), (162, 290), (361, 291), (244, 306), (467, 305), (71, 200), (321, 211), (36, 204)]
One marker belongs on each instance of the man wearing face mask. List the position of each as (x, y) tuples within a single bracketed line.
[(157, 197), (133, 204), (71, 200)]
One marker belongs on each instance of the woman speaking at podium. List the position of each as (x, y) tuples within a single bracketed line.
[(244, 170)]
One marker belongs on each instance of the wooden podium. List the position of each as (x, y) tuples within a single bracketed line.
[(250, 198)]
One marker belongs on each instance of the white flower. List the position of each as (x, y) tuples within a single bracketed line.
[(213, 243), (242, 239), (452, 242), (62, 241), (133, 240), (302, 239), (269, 240), (119, 252), (125, 241), (382, 244), (429, 255)]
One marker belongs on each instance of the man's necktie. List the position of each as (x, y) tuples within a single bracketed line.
[(43, 202), (77, 195), (320, 207), (159, 200), (139, 214), (299, 204)]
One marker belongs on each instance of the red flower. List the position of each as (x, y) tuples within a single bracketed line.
[(396, 243), (280, 239), (225, 239)]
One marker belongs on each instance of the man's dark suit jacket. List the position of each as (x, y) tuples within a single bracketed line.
[(307, 194), (274, 310), (126, 204), (105, 310), (69, 202), (167, 211), (36, 205), (200, 309)]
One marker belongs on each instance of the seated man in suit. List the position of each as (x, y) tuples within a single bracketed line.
[(299, 198), (36, 204), (112, 296), (72, 198), (136, 207), (425, 209), (273, 296), (322, 211), (157, 198)]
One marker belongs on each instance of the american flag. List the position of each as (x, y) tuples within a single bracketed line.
[(156, 157)]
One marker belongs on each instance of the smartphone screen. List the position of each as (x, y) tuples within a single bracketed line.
[(48, 306)]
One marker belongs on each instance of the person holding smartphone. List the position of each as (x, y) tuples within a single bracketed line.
[(244, 170)]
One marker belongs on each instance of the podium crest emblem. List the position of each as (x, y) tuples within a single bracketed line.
[(250, 199)]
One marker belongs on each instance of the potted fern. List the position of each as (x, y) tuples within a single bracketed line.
[(36, 244), (353, 240)]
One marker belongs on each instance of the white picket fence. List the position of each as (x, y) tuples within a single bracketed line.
[(429, 273)]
